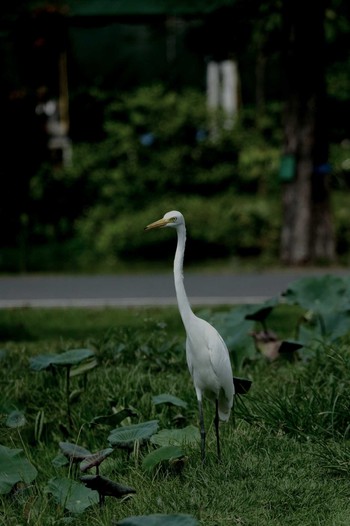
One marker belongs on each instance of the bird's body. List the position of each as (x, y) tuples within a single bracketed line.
[(207, 356), (210, 367)]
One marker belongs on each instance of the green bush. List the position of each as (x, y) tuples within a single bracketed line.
[(218, 227), (157, 154)]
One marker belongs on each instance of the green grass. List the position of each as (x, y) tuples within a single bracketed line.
[(285, 454), (41, 324)]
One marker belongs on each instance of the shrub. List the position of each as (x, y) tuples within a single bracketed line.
[(156, 155)]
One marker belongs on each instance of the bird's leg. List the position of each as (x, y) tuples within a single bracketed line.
[(233, 412), (202, 428), (216, 421)]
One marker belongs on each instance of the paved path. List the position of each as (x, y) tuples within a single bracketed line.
[(147, 289)]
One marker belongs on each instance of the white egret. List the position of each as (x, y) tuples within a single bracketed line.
[(207, 356)]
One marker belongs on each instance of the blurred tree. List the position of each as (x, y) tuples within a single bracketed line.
[(307, 230)]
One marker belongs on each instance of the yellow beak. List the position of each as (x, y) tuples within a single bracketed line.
[(158, 224)]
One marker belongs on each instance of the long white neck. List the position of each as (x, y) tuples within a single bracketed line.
[(182, 300)]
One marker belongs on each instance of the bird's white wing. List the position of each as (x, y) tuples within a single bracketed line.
[(221, 364)]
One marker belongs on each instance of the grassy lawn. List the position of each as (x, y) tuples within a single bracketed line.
[(285, 454)]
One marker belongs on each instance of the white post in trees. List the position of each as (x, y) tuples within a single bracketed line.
[(213, 97), (222, 94), (229, 92)]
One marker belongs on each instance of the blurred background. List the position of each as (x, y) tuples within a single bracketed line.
[(235, 112)]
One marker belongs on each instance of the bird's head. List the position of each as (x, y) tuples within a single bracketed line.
[(173, 219)]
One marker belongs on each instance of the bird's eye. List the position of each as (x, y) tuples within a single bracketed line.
[(174, 219)]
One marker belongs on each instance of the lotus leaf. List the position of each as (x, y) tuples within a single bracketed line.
[(160, 455), (71, 495), (176, 437), (14, 467), (68, 358), (165, 398), (16, 419), (318, 294), (126, 436), (74, 452)]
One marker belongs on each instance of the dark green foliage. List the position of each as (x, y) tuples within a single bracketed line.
[(14, 468), (151, 161), (16, 419), (66, 359), (319, 293), (70, 495), (326, 302), (126, 436), (156, 155), (74, 452), (166, 398), (179, 437)]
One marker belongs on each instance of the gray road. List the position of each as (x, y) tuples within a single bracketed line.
[(146, 289)]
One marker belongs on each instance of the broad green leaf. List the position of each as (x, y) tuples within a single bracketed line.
[(307, 334), (41, 362), (71, 495), (59, 461), (160, 455), (335, 324), (68, 358), (16, 419), (14, 467), (319, 294), (326, 326), (73, 357), (74, 452), (124, 436), (159, 520), (165, 398), (176, 437)]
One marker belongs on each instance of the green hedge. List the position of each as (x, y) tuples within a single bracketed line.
[(157, 155)]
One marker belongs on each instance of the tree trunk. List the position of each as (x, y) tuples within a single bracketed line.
[(307, 232)]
